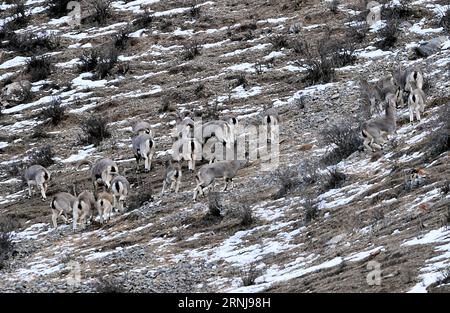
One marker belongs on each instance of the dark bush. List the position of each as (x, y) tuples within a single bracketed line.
[(39, 133), (123, 68), (145, 194), (43, 156), (211, 111), (311, 211), (194, 11), (15, 169), (346, 138), (106, 62), (334, 179), (445, 218), (249, 277), (58, 8), (357, 33), (308, 170), (89, 61), (102, 11), (279, 41), (6, 245), (246, 27), (333, 6), (439, 140), (143, 20), (31, 43), (214, 205), (241, 80), (445, 21), (400, 12), (243, 213), (300, 47), (446, 188), (110, 285), (215, 208), (190, 51), (343, 56), (199, 91), (95, 130), (390, 35), (54, 112), (21, 17), (319, 71), (287, 180), (165, 105), (246, 215), (39, 68), (122, 38)]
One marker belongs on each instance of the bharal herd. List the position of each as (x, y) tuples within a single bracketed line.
[(391, 91)]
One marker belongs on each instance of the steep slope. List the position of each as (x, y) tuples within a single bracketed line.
[(278, 231)]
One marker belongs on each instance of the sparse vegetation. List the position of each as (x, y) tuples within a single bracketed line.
[(319, 71), (390, 35), (215, 209), (190, 51), (6, 244), (54, 112), (89, 61), (214, 206), (122, 38), (300, 47), (110, 285), (400, 12), (278, 42), (284, 223), (106, 62), (43, 156), (195, 10), (32, 43), (249, 276), (102, 11), (345, 138), (58, 8), (241, 80), (445, 219), (246, 215), (15, 169), (357, 33), (439, 140), (333, 6), (101, 62), (95, 130), (39, 133), (39, 68), (287, 179), (378, 214), (445, 21), (143, 20), (311, 211), (334, 179)]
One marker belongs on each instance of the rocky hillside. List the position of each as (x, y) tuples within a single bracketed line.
[(330, 217)]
